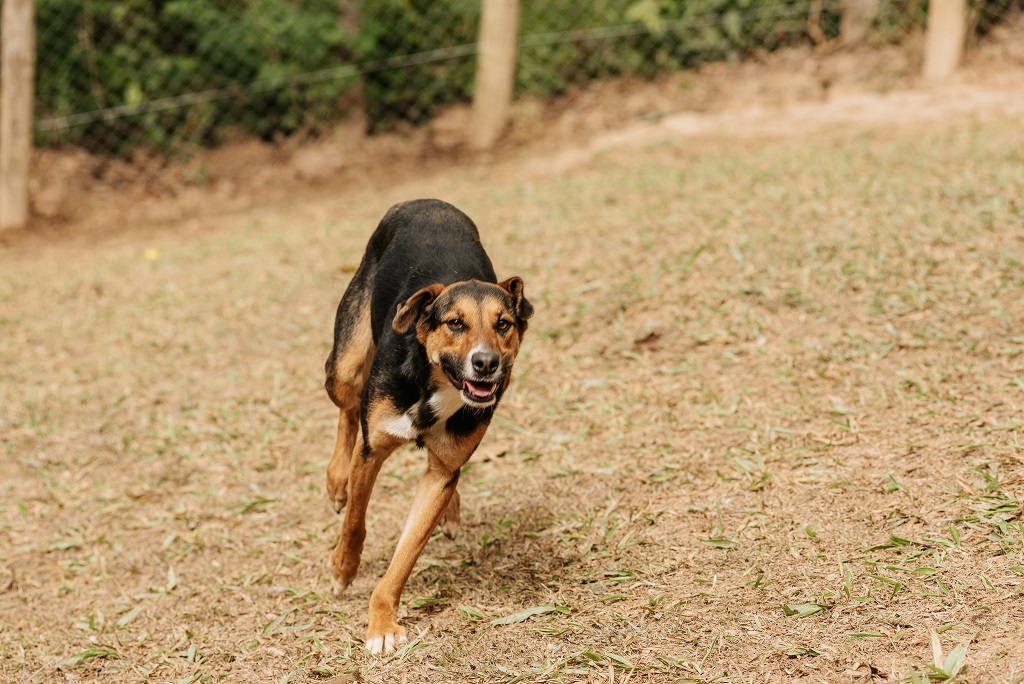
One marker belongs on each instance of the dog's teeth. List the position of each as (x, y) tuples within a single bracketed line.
[(478, 390)]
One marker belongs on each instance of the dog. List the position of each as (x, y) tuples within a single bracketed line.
[(424, 342)]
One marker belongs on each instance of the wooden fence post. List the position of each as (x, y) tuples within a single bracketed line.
[(495, 71), (944, 42), (857, 19), (17, 71)]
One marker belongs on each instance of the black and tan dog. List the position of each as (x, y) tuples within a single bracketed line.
[(424, 343)]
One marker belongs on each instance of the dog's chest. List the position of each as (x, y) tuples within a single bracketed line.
[(445, 402), (426, 416)]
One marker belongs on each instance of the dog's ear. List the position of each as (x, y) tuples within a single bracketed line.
[(410, 311), (514, 286)]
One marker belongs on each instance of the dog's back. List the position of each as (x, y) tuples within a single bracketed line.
[(418, 243)]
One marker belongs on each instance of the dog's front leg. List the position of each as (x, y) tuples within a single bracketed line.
[(363, 468), (435, 490)]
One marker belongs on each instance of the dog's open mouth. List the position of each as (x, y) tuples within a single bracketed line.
[(478, 391), (474, 391)]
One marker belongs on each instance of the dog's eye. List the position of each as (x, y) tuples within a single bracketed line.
[(503, 324), (455, 324)]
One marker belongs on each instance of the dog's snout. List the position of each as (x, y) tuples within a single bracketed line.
[(485, 362)]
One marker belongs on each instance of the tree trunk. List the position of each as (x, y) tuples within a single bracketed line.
[(944, 42), (495, 71), (857, 20), (17, 71)]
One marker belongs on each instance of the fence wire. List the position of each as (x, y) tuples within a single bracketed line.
[(167, 77)]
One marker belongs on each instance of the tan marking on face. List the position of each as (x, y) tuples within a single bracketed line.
[(479, 320), (507, 345)]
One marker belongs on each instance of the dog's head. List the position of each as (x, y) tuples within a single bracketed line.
[(471, 332)]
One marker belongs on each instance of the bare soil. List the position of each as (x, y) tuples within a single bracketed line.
[(766, 425)]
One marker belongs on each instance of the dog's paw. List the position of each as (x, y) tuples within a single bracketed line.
[(337, 492), (342, 568), (338, 587), (383, 633), (383, 645), (451, 521), (449, 527), (385, 640), (341, 579)]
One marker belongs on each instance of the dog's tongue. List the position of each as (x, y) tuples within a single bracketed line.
[(481, 390)]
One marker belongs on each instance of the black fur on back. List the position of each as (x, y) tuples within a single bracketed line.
[(416, 244), (420, 243)]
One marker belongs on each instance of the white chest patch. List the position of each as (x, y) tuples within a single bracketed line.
[(401, 427), (445, 402)]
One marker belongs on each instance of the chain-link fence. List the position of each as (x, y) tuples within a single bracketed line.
[(167, 77)]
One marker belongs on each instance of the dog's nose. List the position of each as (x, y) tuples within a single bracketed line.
[(485, 362)]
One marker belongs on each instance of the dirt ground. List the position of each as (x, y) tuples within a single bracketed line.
[(766, 425)]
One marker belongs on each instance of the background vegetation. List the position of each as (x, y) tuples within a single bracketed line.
[(249, 60), (271, 68)]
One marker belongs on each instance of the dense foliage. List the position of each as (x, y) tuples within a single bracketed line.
[(218, 68), (566, 41), (228, 56)]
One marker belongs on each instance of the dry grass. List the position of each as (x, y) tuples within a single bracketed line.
[(767, 427)]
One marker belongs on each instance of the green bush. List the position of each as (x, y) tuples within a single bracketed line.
[(656, 36), (392, 29), (565, 44), (102, 54), (247, 60)]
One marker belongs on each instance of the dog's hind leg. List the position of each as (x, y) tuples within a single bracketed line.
[(365, 464), (452, 519), (347, 369), (338, 467)]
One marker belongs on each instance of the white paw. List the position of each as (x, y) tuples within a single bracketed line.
[(450, 528), (386, 644), (338, 587)]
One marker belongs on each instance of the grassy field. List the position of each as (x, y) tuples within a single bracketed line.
[(767, 426)]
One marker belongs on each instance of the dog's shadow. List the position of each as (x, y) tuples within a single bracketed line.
[(503, 550)]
